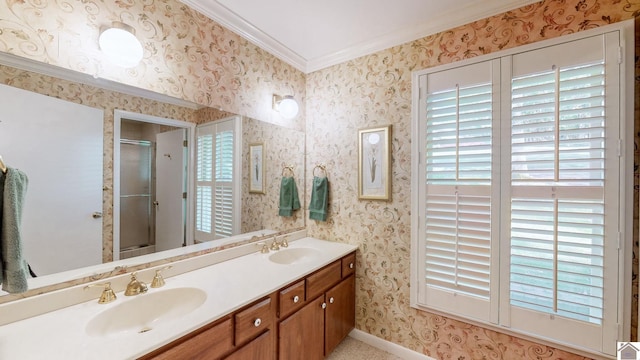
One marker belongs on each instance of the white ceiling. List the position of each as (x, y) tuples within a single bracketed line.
[(311, 35)]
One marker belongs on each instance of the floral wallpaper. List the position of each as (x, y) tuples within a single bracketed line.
[(375, 90), (186, 55), (282, 147)]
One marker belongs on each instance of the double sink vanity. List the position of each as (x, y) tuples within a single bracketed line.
[(249, 302)]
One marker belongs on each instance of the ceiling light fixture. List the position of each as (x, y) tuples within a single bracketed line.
[(286, 105), (120, 45)]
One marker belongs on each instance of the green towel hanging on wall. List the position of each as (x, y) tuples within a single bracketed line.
[(289, 200), (319, 199)]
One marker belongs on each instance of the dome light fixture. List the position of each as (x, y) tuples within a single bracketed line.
[(286, 105), (120, 45)]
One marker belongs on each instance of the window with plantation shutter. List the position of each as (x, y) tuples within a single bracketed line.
[(519, 192), (217, 183), (558, 149), (458, 164)]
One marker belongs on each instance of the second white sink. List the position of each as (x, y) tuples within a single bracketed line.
[(146, 311), (294, 256)]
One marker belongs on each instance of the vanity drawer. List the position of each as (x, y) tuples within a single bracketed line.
[(322, 280), (254, 320), (348, 265), (291, 299), (210, 342)]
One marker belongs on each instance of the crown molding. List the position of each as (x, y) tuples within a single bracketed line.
[(445, 22), (78, 77), (232, 21), (452, 19)]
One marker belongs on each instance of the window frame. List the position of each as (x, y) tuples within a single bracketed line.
[(211, 128), (625, 31)]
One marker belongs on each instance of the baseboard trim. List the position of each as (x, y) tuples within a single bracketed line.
[(388, 346)]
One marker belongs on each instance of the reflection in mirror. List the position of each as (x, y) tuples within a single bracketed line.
[(258, 212), (152, 165)]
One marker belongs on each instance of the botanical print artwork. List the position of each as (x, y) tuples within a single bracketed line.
[(372, 151)]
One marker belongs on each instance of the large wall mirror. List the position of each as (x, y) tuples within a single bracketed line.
[(111, 134)]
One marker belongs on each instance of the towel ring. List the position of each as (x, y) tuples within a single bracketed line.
[(290, 168), (322, 167)]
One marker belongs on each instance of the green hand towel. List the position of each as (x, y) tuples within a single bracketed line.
[(14, 268), (319, 199), (289, 200)]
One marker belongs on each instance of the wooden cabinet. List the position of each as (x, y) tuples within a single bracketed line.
[(260, 348), (209, 342), (328, 316), (254, 320), (340, 314), (306, 320), (301, 335)]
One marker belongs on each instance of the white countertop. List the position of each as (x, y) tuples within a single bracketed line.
[(229, 285)]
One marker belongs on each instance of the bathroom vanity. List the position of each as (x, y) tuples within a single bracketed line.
[(283, 304), (309, 316)]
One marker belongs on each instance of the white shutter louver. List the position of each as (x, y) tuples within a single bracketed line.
[(458, 198), (557, 208), (204, 178)]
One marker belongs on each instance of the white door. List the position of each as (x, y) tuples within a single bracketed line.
[(169, 205), (58, 144)]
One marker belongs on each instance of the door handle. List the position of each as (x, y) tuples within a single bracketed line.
[(96, 215)]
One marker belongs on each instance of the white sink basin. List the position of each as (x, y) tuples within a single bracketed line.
[(146, 311), (294, 256)]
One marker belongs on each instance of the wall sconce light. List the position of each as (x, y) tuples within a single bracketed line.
[(120, 45), (286, 105)]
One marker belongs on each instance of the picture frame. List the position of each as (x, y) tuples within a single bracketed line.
[(256, 168), (374, 163)]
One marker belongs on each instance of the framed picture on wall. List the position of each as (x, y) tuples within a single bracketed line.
[(256, 168), (374, 163)]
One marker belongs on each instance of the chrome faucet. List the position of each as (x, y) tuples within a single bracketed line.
[(135, 287)]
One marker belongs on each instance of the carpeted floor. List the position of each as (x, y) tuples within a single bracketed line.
[(352, 349)]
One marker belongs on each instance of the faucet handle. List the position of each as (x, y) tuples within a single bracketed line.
[(107, 295), (158, 280), (284, 242), (264, 247), (275, 245)]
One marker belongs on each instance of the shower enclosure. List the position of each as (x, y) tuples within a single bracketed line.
[(136, 198)]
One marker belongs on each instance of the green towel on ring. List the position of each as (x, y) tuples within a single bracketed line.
[(289, 200), (319, 199)]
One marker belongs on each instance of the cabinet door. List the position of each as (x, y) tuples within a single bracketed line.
[(340, 316), (301, 334), (260, 348)]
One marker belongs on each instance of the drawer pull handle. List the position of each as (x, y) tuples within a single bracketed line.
[(257, 322), (350, 265), (324, 305), (331, 300), (296, 299)]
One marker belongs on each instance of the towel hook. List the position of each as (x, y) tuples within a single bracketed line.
[(322, 167), (290, 168)]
